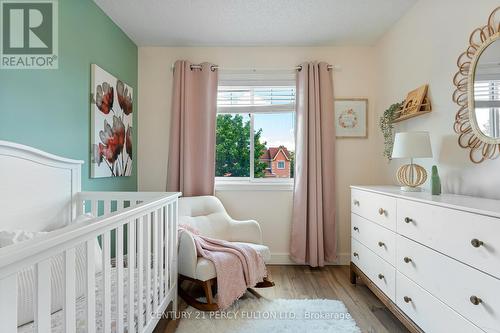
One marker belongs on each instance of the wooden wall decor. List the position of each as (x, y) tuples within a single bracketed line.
[(416, 103)]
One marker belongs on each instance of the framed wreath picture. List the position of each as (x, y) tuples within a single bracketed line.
[(351, 118)]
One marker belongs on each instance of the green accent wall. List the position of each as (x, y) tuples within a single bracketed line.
[(50, 109)]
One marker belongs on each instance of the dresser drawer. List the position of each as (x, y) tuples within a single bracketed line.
[(453, 232), (432, 315), (452, 282), (374, 267), (380, 240), (375, 207)]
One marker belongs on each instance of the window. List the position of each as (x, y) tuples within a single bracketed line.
[(487, 102), (255, 139)]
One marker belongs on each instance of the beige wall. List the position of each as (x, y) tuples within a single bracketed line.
[(359, 160), (423, 47)]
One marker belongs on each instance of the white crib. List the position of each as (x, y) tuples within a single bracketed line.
[(39, 191)]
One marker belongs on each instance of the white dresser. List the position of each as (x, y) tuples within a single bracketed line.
[(433, 260)]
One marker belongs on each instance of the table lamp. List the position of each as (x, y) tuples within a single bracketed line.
[(411, 145)]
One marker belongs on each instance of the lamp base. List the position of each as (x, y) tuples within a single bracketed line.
[(411, 176), (411, 189)]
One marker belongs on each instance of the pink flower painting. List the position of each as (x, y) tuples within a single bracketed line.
[(112, 126)]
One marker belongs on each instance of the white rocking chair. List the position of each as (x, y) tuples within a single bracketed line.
[(208, 215)]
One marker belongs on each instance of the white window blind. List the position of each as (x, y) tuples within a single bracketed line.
[(256, 92), (487, 94)]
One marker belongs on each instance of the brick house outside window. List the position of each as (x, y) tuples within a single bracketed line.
[(278, 162)]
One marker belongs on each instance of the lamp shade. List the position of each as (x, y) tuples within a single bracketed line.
[(412, 145)]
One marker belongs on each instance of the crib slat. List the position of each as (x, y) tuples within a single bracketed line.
[(42, 296), (140, 269), (160, 252), (69, 291), (131, 275), (90, 285), (94, 207), (165, 246), (147, 254), (107, 207), (106, 249), (155, 261), (170, 243), (119, 279), (8, 312), (120, 204)]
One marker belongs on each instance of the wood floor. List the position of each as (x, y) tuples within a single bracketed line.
[(330, 282)]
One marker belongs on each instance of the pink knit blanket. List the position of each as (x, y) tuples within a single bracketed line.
[(238, 266)]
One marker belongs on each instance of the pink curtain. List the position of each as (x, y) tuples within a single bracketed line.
[(191, 158), (313, 239)]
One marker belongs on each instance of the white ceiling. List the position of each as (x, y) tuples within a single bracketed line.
[(254, 22)]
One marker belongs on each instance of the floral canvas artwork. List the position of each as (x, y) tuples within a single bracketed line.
[(351, 118), (112, 125)]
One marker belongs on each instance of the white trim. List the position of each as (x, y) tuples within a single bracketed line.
[(224, 180), (245, 184), (284, 165), (280, 258)]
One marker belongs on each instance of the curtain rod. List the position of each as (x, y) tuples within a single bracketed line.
[(216, 67)]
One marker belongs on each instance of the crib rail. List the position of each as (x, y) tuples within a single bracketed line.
[(142, 230), (100, 203)]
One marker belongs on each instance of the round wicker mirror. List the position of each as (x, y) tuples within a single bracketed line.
[(478, 92)]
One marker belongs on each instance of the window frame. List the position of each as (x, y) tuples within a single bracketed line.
[(284, 165), (251, 183)]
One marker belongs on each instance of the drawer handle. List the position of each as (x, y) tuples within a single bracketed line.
[(381, 276), (407, 260), (356, 203), (475, 300), (476, 242), (381, 211), (381, 244), (355, 254), (407, 299), (408, 220), (356, 229)]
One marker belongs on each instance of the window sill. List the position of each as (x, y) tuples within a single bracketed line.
[(246, 185)]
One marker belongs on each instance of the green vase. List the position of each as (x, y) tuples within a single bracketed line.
[(435, 181)]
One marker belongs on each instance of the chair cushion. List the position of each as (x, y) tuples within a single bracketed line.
[(205, 269), (206, 214)]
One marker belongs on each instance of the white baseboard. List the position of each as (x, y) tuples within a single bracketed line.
[(284, 259)]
